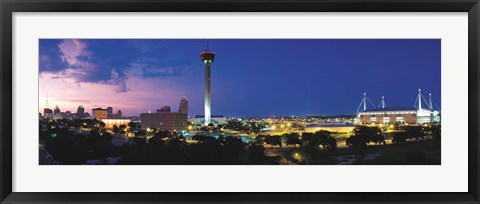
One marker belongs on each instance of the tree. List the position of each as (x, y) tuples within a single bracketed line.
[(437, 133), (273, 140), (293, 139), (362, 135), (141, 133), (399, 138), (115, 129), (256, 154), (122, 129), (414, 132)]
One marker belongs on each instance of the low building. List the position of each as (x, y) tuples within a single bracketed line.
[(331, 127), (164, 121), (109, 123), (215, 119)]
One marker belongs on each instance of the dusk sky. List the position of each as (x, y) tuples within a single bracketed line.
[(281, 77)]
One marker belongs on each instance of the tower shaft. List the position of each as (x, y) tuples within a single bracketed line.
[(207, 94)]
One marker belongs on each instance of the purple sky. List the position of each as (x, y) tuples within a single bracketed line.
[(249, 77)]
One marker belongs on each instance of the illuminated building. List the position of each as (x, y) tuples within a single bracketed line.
[(164, 109), (47, 112), (109, 123), (183, 108), (99, 113), (164, 121), (214, 119), (331, 127), (207, 58), (408, 115)]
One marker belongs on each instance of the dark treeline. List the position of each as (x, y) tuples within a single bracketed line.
[(69, 146)]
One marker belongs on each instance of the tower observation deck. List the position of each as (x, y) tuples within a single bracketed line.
[(207, 58)]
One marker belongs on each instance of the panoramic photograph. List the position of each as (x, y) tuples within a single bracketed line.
[(239, 102)]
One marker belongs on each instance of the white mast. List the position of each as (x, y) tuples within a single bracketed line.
[(430, 104), (364, 101), (419, 99)]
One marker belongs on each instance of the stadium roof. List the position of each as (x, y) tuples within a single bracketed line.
[(390, 109)]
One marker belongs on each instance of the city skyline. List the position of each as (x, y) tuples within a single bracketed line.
[(250, 78)]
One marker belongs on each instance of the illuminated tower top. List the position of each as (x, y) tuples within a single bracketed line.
[(207, 56)]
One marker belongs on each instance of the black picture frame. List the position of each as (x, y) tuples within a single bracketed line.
[(9, 6)]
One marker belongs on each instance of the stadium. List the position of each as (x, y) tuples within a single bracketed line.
[(382, 114)]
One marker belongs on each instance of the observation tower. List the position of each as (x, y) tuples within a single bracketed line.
[(207, 58)]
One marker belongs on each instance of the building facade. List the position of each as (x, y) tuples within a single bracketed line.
[(99, 113), (80, 111), (109, 123), (183, 108), (164, 121), (214, 119), (398, 115)]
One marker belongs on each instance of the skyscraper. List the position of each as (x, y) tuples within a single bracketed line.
[(46, 109), (183, 108), (109, 111), (56, 111), (119, 113), (207, 58), (80, 111)]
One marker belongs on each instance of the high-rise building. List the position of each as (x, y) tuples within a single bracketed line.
[(183, 108), (56, 111), (110, 112), (207, 58), (47, 112), (164, 109), (119, 113), (99, 113), (80, 111)]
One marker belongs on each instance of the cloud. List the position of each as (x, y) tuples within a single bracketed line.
[(108, 62), (75, 53), (151, 68), (77, 62), (118, 81)]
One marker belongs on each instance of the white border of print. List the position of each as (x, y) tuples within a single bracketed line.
[(451, 176)]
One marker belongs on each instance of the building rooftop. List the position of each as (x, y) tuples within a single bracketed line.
[(390, 109), (212, 116)]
